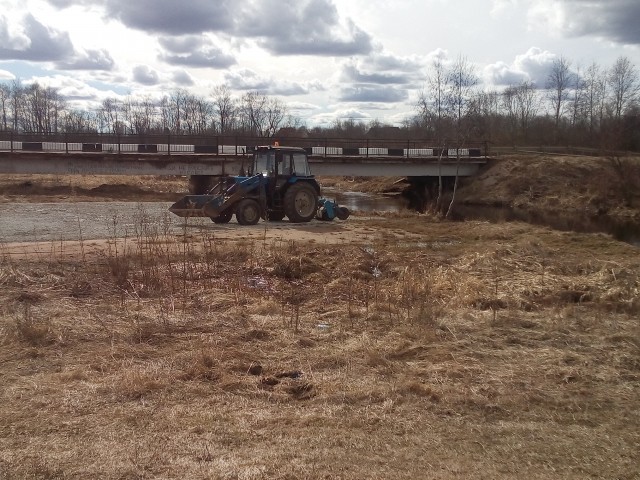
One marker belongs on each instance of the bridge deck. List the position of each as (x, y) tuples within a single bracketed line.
[(84, 163), (25, 154)]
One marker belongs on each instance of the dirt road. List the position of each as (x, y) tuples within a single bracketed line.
[(56, 222), (23, 222)]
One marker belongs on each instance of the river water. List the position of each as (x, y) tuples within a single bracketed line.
[(626, 231), (365, 202)]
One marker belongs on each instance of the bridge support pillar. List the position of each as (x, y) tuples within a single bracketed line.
[(422, 192), (200, 184)]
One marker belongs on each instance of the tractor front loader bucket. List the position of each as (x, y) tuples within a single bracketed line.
[(213, 206), (190, 206)]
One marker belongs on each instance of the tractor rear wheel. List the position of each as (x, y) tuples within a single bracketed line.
[(248, 212), (224, 217), (300, 202)]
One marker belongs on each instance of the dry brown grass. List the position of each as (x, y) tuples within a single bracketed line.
[(33, 188), (566, 185), (432, 350)]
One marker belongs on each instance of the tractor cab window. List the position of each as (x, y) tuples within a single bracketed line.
[(284, 165), (300, 165), (264, 163)]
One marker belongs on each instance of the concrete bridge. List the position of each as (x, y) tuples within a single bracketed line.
[(362, 158)]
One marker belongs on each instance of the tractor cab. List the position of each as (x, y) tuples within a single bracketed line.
[(280, 161)]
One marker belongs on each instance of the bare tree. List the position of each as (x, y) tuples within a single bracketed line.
[(432, 101), (510, 109), (559, 82), (520, 104), (595, 89), (79, 121), (225, 107), (17, 103), (527, 105), (276, 114), (486, 108), (198, 114), (262, 115), (42, 109), (462, 81), (175, 112), (253, 111), (140, 115), (5, 106), (624, 86), (577, 102), (110, 116)]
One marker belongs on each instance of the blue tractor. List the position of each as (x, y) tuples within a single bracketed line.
[(279, 184)]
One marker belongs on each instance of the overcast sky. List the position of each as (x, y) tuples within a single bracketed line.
[(327, 59)]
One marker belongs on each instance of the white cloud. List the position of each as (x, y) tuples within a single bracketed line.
[(12, 35), (534, 66), (4, 75), (327, 118), (501, 6)]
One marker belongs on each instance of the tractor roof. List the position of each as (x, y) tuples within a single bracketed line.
[(265, 148)]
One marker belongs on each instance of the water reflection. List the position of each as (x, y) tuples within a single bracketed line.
[(366, 202), (625, 231)]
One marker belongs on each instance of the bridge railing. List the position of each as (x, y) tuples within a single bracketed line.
[(234, 144)]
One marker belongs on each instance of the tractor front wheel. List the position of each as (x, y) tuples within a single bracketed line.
[(248, 212), (300, 202)]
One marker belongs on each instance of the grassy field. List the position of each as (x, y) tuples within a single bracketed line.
[(412, 348)]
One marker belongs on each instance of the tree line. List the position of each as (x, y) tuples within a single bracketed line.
[(37, 109), (591, 107)]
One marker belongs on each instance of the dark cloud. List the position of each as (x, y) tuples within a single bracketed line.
[(352, 73), (194, 51), (373, 93), (171, 16), (183, 78), (379, 78), (283, 27), (89, 60), (182, 44), (382, 69), (33, 42), (248, 80), (145, 75), (165, 16), (616, 20), (302, 27), (210, 58)]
